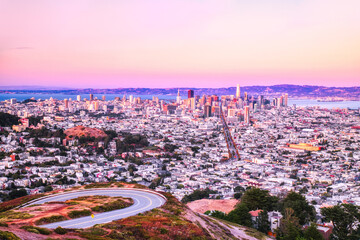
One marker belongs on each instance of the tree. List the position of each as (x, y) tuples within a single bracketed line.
[(290, 228), (262, 222), (302, 209), (311, 233), (344, 218), (240, 215), (17, 193), (255, 198), (216, 213)]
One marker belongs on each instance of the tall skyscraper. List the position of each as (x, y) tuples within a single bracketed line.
[(103, 98), (66, 102), (238, 91), (190, 93), (91, 97), (245, 96), (96, 105), (286, 99), (178, 98), (78, 98), (246, 115), (207, 111)]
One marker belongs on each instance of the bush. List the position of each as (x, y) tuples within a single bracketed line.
[(80, 213), (8, 236), (60, 230), (51, 219), (118, 204), (3, 224), (39, 230)]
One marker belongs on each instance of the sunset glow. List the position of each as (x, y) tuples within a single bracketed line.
[(177, 43)]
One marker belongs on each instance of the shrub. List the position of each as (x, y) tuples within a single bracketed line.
[(60, 230), (39, 230), (118, 204), (80, 213), (8, 236), (51, 219)]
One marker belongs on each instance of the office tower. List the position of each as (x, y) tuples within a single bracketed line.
[(245, 96), (207, 111), (246, 115), (78, 97), (255, 107), (13, 101), (209, 100), (131, 99), (238, 91), (178, 98), (286, 99), (66, 102), (279, 102), (96, 105), (192, 103), (91, 97), (103, 98), (190, 93)]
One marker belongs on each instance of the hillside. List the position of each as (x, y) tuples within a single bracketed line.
[(81, 131), (173, 220)]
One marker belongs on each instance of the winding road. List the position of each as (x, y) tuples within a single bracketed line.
[(143, 201)]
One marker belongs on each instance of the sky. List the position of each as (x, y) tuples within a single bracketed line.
[(179, 43)]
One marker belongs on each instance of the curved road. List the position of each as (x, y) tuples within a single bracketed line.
[(143, 201)]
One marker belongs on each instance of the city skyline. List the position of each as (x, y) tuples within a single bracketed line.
[(179, 44)]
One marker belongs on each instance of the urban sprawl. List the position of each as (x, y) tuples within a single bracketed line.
[(201, 142)]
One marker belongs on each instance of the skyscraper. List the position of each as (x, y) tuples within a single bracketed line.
[(178, 98), (91, 97), (190, 93), (207, 111), (96, 105), (238, 91), (78, 98), (246, 115), (245, 96), (66, 102), (286, 99), (103, 98)]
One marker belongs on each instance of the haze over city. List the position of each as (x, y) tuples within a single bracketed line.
[(179, 43)]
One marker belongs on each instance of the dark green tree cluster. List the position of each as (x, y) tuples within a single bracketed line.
[(46, 133), (198, 194), (7, 120), (345, 218), (255, 199)]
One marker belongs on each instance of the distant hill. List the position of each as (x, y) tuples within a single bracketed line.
[(294, 91)]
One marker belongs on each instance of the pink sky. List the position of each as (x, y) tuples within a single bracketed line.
[(179, 43)]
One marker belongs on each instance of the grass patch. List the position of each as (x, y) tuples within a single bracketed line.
[(51, 219), (254, 233), (118, 204), (15, 215), (98, 185), (18, 202), (79, 213), (37, 230), (8, 236)]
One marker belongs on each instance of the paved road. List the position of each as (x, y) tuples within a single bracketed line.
[(229, 140), (143, 201)]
